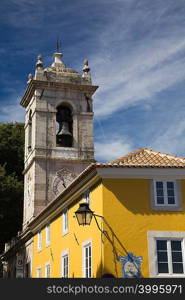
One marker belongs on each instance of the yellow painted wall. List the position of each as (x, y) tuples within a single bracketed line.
[(59, 243), (126, 208)]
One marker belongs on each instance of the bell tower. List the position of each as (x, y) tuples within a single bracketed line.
[(58, 131)]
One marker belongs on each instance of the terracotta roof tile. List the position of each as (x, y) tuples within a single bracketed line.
[(145, 157)]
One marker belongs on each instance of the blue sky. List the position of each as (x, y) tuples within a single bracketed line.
[(136, 51)]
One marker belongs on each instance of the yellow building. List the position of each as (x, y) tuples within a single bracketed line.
[(141, 198)]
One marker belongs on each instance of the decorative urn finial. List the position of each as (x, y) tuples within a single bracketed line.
[(86, 68), (30, 77), (39, 63)]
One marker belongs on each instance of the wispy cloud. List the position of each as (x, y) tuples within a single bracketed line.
[(171, 140), (113, 148), (11, 112), (137, 67)]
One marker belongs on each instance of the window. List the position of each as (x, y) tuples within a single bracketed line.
[(39, 272), (47, 270), (39, 241), (65, 264), (65, 222), (166, 195), (87, 260), (47, 235), (166, 253), (169, 256), (86, 197), (165, 192)]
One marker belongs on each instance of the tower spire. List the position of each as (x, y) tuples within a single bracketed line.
[(57, 56), (58, 45)]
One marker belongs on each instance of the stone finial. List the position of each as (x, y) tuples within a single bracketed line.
[(86, 68), (30, 77), (57, 59), (39, 63)]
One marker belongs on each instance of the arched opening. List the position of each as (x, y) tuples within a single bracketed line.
[(64, 135), (30, 131)]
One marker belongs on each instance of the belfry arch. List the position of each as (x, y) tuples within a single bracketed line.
[(64, 119)]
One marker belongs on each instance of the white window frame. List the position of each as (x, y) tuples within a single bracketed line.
[(86, 196), (153, 236), (39, 272), (65, 222), (84, 246), (46, 265), (177, 192), (39, 244), (64, 254), (48, 235), (165, 192)]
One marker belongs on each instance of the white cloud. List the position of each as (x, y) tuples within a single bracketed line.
[(117, 147), (129, 70), (171, 140), (11, 113)]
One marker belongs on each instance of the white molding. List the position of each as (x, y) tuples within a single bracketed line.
[(47, 264), (152, 253), (86, 196), (84, 244), (166, 207), (165, 196), (63, 254), (39, 268), (39, 241), (65, 215), (145, 173), (48, 241)]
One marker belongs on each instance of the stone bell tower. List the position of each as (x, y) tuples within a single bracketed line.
[(58, 131)]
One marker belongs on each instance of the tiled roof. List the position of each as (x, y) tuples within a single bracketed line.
[(145, 157)]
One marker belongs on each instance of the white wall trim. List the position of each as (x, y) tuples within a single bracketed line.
[(145, 173)]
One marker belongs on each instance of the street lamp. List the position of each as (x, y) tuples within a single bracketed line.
[(84, 214)]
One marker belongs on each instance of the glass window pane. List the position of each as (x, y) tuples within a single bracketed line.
[(161, 245), (170, 185), (159, 185), (177, 268), (163, 268), (162, 256), (176, 256), (160, 200), (176, 246), (170, 193), (171, 200), (160, 193)]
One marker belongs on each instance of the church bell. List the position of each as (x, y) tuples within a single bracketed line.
[(65, 129)]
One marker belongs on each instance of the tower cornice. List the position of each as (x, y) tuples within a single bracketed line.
[(45, 85)]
